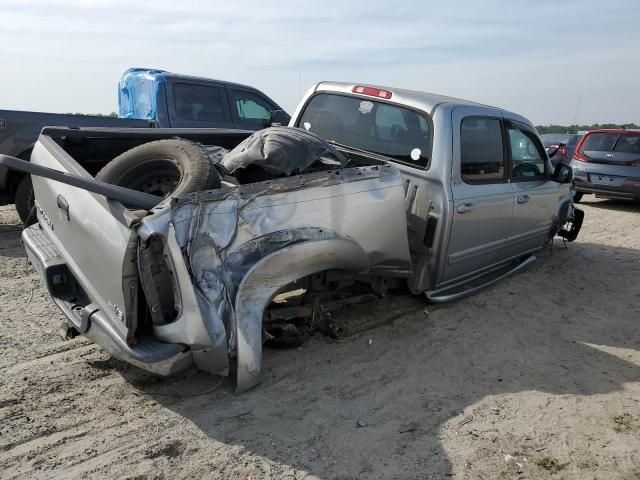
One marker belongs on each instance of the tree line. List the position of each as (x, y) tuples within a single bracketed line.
[(576, 128)]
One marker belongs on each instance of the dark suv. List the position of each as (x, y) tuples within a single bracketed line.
[(607, 163), (560, 146)]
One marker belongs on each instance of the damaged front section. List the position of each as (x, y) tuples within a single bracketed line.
[(211, 263)]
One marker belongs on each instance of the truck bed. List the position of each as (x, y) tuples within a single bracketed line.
[(19, 131), (201, 270)]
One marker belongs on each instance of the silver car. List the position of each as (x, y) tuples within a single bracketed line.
[(369, 188), (607, 163)]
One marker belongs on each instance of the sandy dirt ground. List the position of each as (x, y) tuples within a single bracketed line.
[(537, 377)]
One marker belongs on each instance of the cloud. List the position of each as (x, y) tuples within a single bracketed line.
[(529, 55)]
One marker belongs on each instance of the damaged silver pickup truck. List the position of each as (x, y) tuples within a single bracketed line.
[(197, 246)]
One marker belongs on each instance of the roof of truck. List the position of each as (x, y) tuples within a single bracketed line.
[(154, 73), (424, 101)]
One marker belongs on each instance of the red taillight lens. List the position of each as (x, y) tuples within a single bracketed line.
[(581, 157), (562, 151), (373, 92)]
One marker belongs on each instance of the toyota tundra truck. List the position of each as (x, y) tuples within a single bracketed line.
[(257, 238)]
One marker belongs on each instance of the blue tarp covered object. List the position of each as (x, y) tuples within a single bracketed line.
[(137, 93)]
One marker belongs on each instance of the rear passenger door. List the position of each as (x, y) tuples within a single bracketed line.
[(482, 194), (198, 105), (535, 195), (249, 110)]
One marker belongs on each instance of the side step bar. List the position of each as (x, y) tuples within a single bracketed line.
[(473, 285)]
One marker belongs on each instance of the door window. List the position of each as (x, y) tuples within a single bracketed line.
[(198, 103), (250, 108), (527, 159), (481, 150)]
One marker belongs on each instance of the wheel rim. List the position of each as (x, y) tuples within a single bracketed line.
[(162, 180)]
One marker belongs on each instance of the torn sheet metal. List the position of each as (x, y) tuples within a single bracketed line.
[(322, 220), (283, 151)]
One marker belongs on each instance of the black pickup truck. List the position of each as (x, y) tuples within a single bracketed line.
[(146, 98)]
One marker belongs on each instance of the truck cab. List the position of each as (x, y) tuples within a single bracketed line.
[(480, 192), (170, 100)]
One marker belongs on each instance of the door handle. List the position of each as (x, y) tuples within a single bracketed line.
[(465, 207), (523, 198), (63, 206)]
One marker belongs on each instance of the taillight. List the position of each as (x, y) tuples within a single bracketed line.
[(581, 157), (373, 92), (635, 164), (562, 151)]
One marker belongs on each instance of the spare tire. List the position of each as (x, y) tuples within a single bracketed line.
[(163, 168)]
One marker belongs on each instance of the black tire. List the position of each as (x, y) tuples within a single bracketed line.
[(577, 197), (164, 167), (24, 201)]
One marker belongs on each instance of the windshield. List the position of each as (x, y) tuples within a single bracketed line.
[(377, 127)]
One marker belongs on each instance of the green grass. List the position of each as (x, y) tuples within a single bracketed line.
[(548, 463), (622, 423)]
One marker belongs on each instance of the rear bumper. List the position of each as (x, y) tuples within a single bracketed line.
[(83, 315), (629, 188)]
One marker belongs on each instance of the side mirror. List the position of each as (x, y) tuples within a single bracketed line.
[(279, 118), (562, 174)]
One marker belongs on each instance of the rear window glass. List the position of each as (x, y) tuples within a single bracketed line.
[(628, 144), (378, 127), (599, 142)]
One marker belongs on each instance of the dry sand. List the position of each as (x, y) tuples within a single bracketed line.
[(537, 377)]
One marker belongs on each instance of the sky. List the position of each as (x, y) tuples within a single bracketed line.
[(537, 58)]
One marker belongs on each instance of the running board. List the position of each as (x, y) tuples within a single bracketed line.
[(473, 285)]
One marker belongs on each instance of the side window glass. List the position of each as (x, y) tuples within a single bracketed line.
[(481, 151), (250, 108), (198, 103), (527, 159)]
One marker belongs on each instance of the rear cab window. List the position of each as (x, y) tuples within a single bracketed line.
[(388, 129)]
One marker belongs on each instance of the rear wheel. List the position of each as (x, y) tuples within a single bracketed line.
[(24, 201), (163, 168)]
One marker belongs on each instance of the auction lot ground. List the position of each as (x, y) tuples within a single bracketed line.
[(538, 377)]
